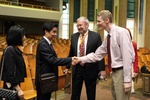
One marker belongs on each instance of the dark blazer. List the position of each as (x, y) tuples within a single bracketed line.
[(93, 42), (47, 61), (14, 69)]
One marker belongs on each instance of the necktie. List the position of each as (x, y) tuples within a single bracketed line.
[(108, 51), (81, 46), (52, 47)]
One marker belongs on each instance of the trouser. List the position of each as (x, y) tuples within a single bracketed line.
[(118, 91), (77, 82), (41, 96)]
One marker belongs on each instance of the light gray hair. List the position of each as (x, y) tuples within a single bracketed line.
[(83, 19)]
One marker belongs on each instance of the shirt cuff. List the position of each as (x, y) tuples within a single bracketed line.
[(82, 59), (128, 84)]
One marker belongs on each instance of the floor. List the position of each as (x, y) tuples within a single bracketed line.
[(103, 92)]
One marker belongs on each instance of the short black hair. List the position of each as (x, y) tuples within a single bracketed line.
[(48, 26), (15, 35)]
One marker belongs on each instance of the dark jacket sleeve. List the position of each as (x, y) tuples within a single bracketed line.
[(50, 59)]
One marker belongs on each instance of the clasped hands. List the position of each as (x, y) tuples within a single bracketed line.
[(76, 60)]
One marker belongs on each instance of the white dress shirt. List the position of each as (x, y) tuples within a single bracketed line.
[(49, 42), (121, 48), (85, 43)]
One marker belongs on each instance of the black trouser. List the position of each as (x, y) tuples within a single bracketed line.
[(77, 82), (41, 96)]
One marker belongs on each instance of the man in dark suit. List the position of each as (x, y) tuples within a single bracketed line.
[(80, 46), (46, 58)]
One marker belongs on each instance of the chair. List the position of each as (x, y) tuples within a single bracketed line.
[(34, 48), (106, 64), (148, 57), (1, 53), (1, 84), (27, 66), (32, 65), (140, 63), (144, 59), (28, 89), (28, 48)]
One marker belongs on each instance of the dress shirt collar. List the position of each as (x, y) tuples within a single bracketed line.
[(49, 42), (112, 29)]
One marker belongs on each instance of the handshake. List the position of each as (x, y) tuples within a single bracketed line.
[(76, 60)]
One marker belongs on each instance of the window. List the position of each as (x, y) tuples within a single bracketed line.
[(130, 25), (65, 23)]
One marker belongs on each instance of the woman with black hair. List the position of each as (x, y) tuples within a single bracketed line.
[(14, 70)]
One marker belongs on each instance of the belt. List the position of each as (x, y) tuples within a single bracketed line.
[(115, 69)]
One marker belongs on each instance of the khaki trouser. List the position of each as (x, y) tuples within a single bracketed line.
[(118, 91)]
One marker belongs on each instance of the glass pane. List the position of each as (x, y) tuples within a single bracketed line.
[(65, 33), (91, 26), (130, 25), (65, 27), (65, 16), (65, 21), (75, 28)]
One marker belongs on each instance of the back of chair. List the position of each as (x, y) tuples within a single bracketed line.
[(27, 84), (1, 84)]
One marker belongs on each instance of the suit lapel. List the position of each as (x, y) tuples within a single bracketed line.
[(50, 48), (76, 42), (89, 41)]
